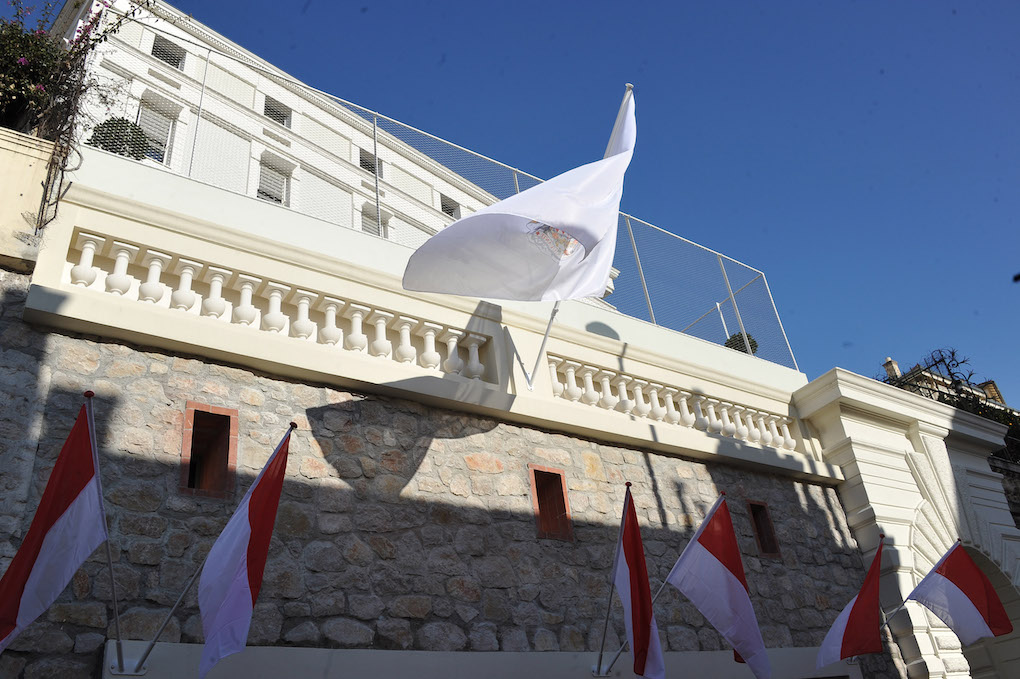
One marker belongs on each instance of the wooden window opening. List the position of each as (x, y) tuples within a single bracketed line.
[(764, 532), (209, 451), (549, 499)]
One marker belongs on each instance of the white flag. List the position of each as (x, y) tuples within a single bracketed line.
[(553, 241)]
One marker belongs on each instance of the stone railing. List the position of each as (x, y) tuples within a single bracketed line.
[(601, 388), (185, 285)]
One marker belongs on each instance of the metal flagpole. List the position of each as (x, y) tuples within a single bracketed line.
[(102, 508), (597, 670), (624, 646), (148, 649), (530, 378)]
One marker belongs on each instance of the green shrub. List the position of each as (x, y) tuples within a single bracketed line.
[(121, 136), (736, 341)]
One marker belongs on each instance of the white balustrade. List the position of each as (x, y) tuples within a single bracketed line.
[(777, 440), (84, 273), (687, 418), (766, 435), (245, 312), (275, 320), (183, 297), (119, 282), (740, 430), (330, 333), (474, 368), (356, 340), (715, 425), (380, 346), (152, 290), (641, 407), (728, 428), (671, 416), (607, 399), (303, 327), (701, 422), (657, 411), (788, 441), (572, 391), (405, 353), (214, 305), (753, 433), (429, 358), (589, 396), (554, 377), (453, 363)]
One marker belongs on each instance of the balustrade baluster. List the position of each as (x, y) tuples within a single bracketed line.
[(672, 416), (753, 433), (275, 320), (405, 353), (589, 396), (624, 403), (183, 298), (657, 411), (214, 305), (788, 441), (554, 376), (245, 312), (152, 290), (766, 436), (777, 440), (84, 273), (715, 425), (738, 419), (474, 368), (701, 422), (330, 333), (641, 407), (429, 358), (380, 346), (728, 428), (687, 418), (453, 363), (302, 326), (572, 391), (607, 400), (356, 340), (119, 282)]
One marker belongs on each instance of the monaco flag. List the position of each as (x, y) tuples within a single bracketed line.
[(232, 574), (858, 629), (961, 595), (68, 526), (553, 241), (631, 579), (710, 573)]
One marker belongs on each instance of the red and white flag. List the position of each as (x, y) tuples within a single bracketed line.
[(68, 526), (961, 595), (232, 574), (710, 573), (858, 628), (631, 578)]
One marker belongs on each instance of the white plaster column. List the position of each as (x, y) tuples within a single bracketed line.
[(275, 320), (474, 368), (84, 273), (380, 346), (788, 441), (766, 436), (554, 376), (572, 392), (453, 363), (331, 334), (119, 282), (589, 396), (657, 411), (672, 416), (624, 403), (405, 351), (214, 305), (302, 326), (183, 297), (753, 433), (701, 422), (687, 418), (777, 440), (738, 419), (429, 358), (715, 425), (245, 312), (607, 400), (152, 290), (728, 428), (356, 340)]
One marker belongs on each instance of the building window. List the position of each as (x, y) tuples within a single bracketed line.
[(274, 110), (449, 206), (549, 499), (158, 128), (370, 163), (164, 50), (369, 223), (209, 450), (274, 185), (764, 532)]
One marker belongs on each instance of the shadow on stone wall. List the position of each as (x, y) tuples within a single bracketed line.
[(402, 526)]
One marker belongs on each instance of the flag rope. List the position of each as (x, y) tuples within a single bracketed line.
[(187, 588), (90, 415)]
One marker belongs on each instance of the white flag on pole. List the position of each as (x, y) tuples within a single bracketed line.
[(551, 242)]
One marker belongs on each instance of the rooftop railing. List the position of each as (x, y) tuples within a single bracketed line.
[(238, 124)]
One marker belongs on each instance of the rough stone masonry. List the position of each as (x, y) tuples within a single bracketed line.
[(401, 526)]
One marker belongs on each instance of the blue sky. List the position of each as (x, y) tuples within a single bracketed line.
[(864, 155)]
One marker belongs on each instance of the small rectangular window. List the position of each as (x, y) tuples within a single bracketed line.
[(369, 223), (209, 452), (449, 206), (164, 50), (764, 532), (370, 163), (158, 128), (549, 500), (274, 110), (273, 184)]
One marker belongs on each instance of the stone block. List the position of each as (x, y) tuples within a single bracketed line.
[(514, 639), (483, 637), (87, 614), (266, 623), (365, 606), (348, 633), (65, 668), (410, 606), (142, 623), (464, 588), (41, 637), (394, 633), (441, 636), (304, 634), (323, 556), (328, 603), (88, 642)]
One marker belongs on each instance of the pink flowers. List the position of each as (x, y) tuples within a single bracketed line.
[(22, 61), (40, 88)]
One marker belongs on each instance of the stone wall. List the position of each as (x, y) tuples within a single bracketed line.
[(401, 526)]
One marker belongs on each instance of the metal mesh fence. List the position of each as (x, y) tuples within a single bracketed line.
[(242, 126)]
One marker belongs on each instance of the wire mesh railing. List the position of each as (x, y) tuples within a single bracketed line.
[(229, 121)]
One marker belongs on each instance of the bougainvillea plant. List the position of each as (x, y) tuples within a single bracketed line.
[(31, 62)]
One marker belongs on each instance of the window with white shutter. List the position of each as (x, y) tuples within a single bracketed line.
[(274, 110), (166, 51), (369, 223), (158, 128), (273, 184)]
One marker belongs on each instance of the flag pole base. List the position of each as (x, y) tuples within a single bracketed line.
[(128, 670), (595, 672)]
